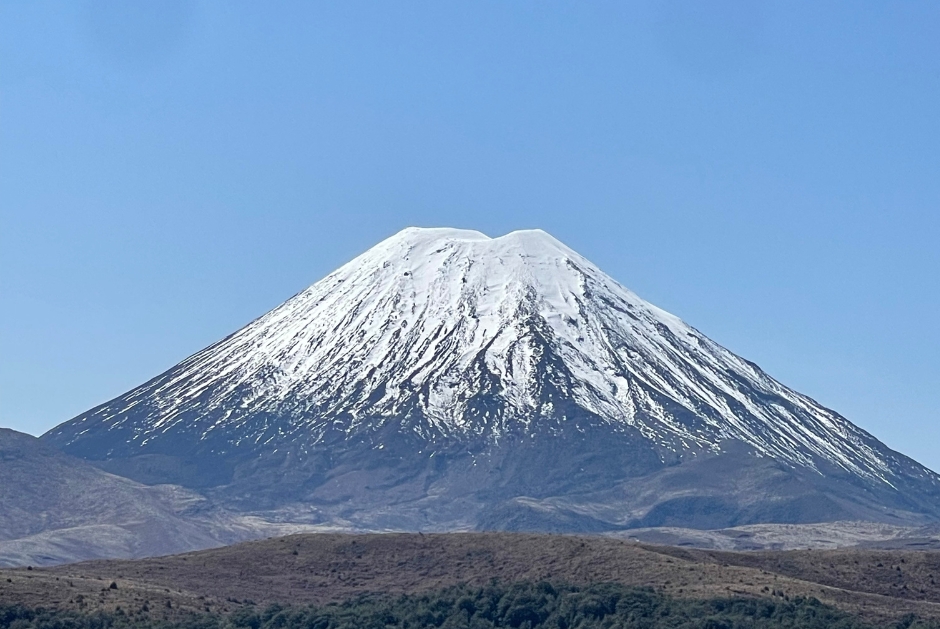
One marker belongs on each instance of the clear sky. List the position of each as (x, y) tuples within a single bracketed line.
[(768, 172)]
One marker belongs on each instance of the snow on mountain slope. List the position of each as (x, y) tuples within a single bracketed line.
[(455, 335)]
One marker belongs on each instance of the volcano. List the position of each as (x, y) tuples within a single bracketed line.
[(445, 380)]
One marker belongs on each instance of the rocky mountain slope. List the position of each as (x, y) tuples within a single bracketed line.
[(447, 380), (54, 508)]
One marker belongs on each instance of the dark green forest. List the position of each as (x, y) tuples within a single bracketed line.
[(519, 606)]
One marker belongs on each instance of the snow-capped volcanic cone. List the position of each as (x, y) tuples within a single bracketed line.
[(445, 379)]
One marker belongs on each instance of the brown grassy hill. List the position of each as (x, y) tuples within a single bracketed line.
[(909, 575), (325, 567)]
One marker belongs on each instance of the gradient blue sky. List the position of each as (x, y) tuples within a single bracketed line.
[(768, 172)]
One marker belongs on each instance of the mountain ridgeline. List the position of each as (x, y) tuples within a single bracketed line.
[(445, 380)]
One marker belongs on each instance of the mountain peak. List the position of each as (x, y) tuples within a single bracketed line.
[(417, 241), (453, 233), (527, 242)]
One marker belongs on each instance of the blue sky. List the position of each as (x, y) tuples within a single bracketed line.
[(768, 172)]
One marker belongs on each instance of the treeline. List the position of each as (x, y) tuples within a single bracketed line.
[(517, 606)]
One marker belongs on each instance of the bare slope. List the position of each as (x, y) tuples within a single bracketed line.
[(56, 508), (59, 508)]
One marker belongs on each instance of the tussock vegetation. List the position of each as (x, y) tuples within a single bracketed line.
[(516, 606), (878, 587)]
